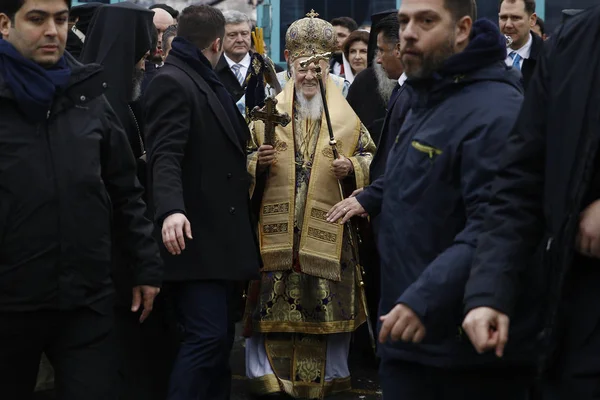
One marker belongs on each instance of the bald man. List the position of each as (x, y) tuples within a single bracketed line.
[(162, 20)]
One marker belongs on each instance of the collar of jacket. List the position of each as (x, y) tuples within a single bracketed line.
[(537, 45), (224, 65), (86, 84)]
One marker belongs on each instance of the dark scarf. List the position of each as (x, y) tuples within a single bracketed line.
[(33, 86), (193, 57)]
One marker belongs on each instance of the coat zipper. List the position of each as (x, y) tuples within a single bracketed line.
[(431, 151), (137, 127)]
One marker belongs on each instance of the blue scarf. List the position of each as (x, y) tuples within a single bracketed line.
[(33, 86)]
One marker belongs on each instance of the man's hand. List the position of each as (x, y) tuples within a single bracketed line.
[(173, 229), (402, 324), (588, 237), (487, 329), (266, 156), (347, 209), (342, 167), (145, 294)]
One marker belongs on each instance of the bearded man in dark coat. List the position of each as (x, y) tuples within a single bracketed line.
[(371, 90), (119, 37)]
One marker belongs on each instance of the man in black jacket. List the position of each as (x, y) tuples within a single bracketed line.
[(199, 183), (546, 205), (68, 182)]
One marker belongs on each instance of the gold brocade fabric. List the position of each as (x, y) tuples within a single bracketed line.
[(301, 183), (294, 307), (306, 354)]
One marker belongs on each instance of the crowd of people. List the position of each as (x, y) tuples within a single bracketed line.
[(427, 183)]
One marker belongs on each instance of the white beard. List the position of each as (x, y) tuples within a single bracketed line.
[(137, 91), (309, 108), (385, 85)]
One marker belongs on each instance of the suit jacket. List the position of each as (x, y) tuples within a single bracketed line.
[(365, 100), (229, 80), (529, 64), (398, 108), (197, 166)]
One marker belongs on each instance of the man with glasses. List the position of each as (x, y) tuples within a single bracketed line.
[(235, 61)]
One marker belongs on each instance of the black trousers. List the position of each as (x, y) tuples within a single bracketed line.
[(146, 352), (575, 370), (202, 370), (406, 381), (79, 344)]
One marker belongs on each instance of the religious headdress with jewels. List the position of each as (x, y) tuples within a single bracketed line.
[(310, 36)]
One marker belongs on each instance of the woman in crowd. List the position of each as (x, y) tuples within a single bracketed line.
[(355, 54)]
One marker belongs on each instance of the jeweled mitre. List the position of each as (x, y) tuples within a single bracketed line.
[(309, 36)]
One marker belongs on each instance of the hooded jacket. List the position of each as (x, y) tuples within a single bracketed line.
[(118, 37), (84, 14), (68, 186), (436, 188)]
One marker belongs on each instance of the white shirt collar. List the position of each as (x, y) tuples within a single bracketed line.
[(245, 61), (402, 79), (524, 51)]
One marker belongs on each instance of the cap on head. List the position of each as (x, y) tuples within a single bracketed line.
[(309, 36)]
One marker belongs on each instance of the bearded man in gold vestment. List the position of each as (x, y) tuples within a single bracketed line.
[(307, 303)]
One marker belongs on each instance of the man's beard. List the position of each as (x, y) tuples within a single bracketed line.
[(385, 85), (431, 62), (137, 79), (309, 108)]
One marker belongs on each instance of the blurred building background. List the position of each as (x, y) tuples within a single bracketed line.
[(277, 15)]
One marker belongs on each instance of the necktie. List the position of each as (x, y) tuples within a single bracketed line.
[(236, 68), (516, 60)]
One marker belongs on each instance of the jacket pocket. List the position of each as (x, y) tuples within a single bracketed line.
[(425, 148)]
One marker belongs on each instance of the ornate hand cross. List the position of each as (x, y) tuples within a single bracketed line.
[(271, 118)]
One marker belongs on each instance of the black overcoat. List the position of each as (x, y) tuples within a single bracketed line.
[(197, 165), (544, 184)]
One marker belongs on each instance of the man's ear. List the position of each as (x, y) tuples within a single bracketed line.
[(216, 45), (463, 30), (533, 20), (286, 54), (396, 50), (5, 25)]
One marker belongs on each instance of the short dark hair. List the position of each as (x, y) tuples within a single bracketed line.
[(346, 22), (390, 28), (461, 8), (11, 7), (529, 5), (174, 13), (540, 22), (356, 36), (201, 25)]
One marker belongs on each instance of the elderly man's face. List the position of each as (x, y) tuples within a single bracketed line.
[(305, 79), (238, 39)]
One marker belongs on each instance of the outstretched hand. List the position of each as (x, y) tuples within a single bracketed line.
[(346, 209)]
